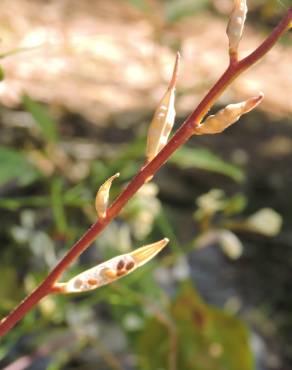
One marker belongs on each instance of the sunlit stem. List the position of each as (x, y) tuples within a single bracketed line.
[(180, 137)]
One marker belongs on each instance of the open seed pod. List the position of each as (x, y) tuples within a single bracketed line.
[(111, 270)]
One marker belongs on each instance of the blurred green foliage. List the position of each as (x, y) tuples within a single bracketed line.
[(175, 10), (204, 159), (42, 118), (14, 166), (197, 336)]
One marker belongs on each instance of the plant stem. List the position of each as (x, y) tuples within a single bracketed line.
[(180, 137)]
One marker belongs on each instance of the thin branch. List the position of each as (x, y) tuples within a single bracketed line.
[(179, 138)]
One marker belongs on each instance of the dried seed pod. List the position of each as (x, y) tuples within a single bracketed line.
[(111, 270), (217, 123), (236, 24), (163, 119), (102, 196)]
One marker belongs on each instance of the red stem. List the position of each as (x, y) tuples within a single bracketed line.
[(180, 137)]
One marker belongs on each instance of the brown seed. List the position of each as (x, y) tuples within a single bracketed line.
[(92, 281), (120, 265), (121, 272), (109, 273), (130, 265)]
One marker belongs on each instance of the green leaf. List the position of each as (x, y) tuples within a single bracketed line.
[(10, 290), (204, 159), (235, 204), (58, 205), (15, 166), (176, 10), (42, 118), (204, 338), (140, 4)]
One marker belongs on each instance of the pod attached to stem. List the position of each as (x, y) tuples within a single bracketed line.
[(163, 120), (102, 196), (218, 122), (235, 27), (111, 270)]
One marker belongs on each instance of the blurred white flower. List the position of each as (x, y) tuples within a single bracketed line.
[(228, 241), (210, 203), (266, 221), (230, 244)]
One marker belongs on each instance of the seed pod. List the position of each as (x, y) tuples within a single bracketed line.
[(217, 123), (163, 119), (236, 24), (102, 196), (111, 270)]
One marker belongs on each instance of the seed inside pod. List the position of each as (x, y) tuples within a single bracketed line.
[(92, 281), (130, 265), (121, 265), (121, 272), (109, 273)]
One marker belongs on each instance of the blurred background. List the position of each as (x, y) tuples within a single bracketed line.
[(80, 83)]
